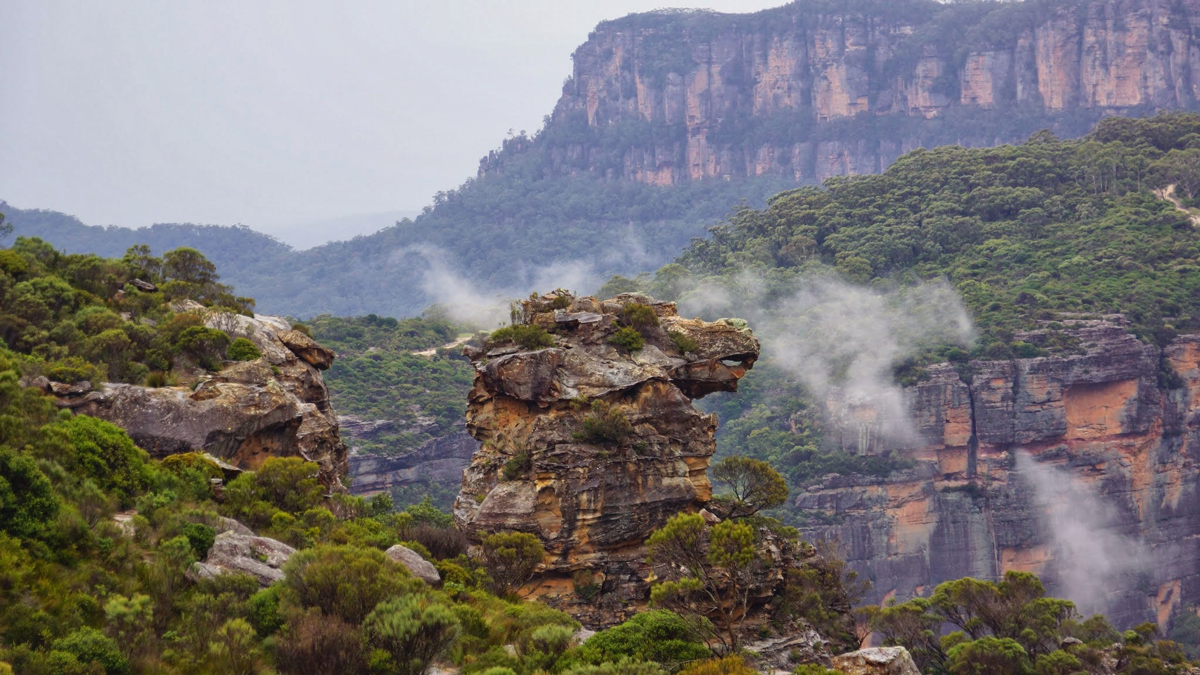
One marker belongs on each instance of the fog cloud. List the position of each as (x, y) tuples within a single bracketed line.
[(1091, 558), (840, 339)]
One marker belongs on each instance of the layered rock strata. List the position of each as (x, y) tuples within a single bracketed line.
[(799, 91), (438, 461), (591, 447), (1120, 420), (275, 406)]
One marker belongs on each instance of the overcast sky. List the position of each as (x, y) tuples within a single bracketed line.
[(273, 114)]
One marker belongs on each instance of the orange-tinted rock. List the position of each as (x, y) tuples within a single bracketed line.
[(962, 510)]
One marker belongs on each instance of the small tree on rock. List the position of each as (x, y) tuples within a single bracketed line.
[(511, 558), (753, 485)]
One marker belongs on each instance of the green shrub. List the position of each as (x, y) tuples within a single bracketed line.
[(511, 558), (89, 645), (413, 630), (528, 336), (627, 339), (639, 316), (28, 504), (203, 345), (605, 424), (344, 581), (658, 635), (104, 453), (683, 343), (201, 537), (74, 369), (518, 466), (623, 667), (302, 328), (242, 349)]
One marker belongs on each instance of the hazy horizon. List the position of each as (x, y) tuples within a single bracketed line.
[(275, 115)]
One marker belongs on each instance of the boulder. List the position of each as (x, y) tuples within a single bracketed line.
[(416, 565), (307, 349), (236, 553), (876, 661)]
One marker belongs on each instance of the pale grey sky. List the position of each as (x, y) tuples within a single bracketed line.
[(273, 113)]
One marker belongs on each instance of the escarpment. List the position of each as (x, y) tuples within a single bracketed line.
[(248, 411), (592, 445), (1119, 420), (813, 90)]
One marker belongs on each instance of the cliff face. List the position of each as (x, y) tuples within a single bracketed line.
[(275, 406), (590, 447), (819, 89), (1114, 423)]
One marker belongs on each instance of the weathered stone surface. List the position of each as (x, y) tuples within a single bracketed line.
[(818, 67), (786, 652), (964, 510), (414, 563), (236, 553), (307, 349), (593, 501), (277, 405), (876, 661), (439, 461)]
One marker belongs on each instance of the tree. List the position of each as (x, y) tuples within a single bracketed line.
[(754, 486), (234, 650), (189, 266), (705, 572), (658, 635), (312, 643), (28, 505), (511, 558), (5, 228), (413, 630)]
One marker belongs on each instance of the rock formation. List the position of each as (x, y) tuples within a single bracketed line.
[(1122, 417), (438, 461), (277, 405), (812, 90), (591, 447)]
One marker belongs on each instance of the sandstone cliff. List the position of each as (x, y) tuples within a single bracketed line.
[(818, 89), (277, 405), (1122, 419), (591, 447)]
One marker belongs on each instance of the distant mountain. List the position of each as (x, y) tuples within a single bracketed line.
[(317, 232), (671, 119)]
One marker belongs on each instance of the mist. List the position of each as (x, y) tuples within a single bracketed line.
[(1091, 558), (839, 339)]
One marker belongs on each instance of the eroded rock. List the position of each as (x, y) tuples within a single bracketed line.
[(275, 406), (236, 553), (589, 447), (876, 661)]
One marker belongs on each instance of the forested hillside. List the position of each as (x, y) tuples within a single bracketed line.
[(1028, 235)]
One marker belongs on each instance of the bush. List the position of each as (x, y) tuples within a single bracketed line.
[(622, 667), (242, 349), (203, 345), (443, 543), (104, 453), (89, 645), (639, 316), (343, 581), (314, 644), (683, 343), (413, 630), (657, 635), (529, 337), (605, 424), (201, 537), (511, 558), (28, 505), (518, 466), (302, 328), (627, 339)]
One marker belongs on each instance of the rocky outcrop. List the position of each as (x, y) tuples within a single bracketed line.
[(238, 553), (1120, 418), (876, 661), (590, 447), (275, 406), (812, 90)]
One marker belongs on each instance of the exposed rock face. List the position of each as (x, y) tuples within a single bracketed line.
[(237, 553), (965, 510), (277, 405), (876, 661), (593, 499), (763, 94), (439, 461)]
